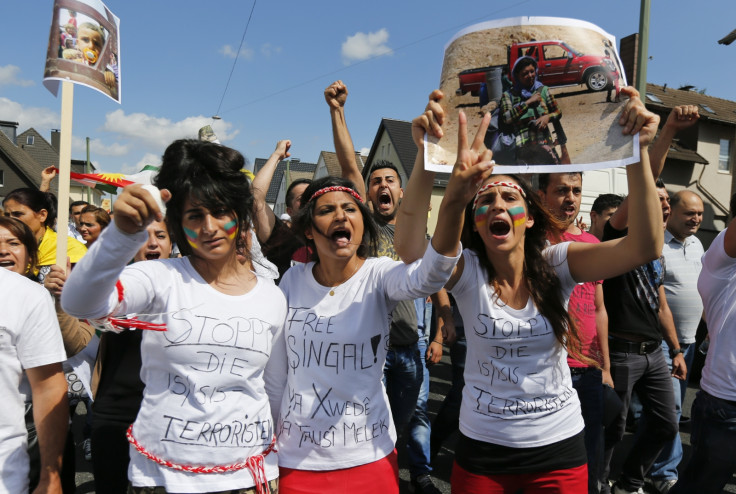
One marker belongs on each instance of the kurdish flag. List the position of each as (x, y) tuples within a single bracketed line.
[(109, 182)]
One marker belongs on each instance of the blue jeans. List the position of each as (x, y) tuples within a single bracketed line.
[(419, 426), (589, 386), (665, 467), (447, 420), (714, 446), (402, 376)]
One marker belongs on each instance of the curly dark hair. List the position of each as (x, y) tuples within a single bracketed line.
[(211, 175), (541, 278), (304, 218)]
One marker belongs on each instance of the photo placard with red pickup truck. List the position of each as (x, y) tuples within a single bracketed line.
[(552, 88)]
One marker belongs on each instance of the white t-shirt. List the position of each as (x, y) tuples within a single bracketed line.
[(29, 337), (206, 377), (335, 413), (717, 287), (518, 391)]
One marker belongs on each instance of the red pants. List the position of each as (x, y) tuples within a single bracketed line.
[(569, 481), (380, 476)]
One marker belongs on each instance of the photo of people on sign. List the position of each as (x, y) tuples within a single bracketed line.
[(552, 87), (84, 47)]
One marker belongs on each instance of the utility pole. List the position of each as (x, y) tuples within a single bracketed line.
[(86, 170), (642, 55)]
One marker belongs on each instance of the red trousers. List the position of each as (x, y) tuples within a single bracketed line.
[(569, 481), (380, 476)]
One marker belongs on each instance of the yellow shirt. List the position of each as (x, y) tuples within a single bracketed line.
[(47, 249)]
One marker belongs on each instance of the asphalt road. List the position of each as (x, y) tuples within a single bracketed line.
[(440, 383)]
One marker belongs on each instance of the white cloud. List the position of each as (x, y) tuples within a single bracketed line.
[(267, 50), (362, 46), (39, 118), (365, 151), (147, 159), (157, 133), (98, 147), (229, 51), (9, 77)]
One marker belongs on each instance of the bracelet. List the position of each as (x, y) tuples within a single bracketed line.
[(435, 341)]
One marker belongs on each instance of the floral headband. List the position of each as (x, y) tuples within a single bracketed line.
[(336, 188), (497, 184)]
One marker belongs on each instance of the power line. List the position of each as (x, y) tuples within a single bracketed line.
[(403, 47), (237, 55)]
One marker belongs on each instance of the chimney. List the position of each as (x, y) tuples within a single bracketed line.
[(55, 139), (627, 50), (10, 129)]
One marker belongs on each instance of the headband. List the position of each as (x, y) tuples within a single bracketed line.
[(335, 188), (497, 184)]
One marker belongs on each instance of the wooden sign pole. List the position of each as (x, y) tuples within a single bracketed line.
[(65, 163)]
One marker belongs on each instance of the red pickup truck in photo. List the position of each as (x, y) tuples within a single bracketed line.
[(559, 64)]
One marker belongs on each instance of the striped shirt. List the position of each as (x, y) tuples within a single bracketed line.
[(681, 283)]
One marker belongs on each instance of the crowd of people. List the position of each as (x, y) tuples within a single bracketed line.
[(233, 351)]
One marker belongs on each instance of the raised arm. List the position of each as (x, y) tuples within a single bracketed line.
[(90, 290), (591, 262), (680, 118), (335, 95), (264, 217), (47, 176), (411, 219)]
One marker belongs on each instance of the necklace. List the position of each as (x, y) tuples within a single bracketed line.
[(332, 289)]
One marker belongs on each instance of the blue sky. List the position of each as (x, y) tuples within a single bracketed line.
[(176, 57)]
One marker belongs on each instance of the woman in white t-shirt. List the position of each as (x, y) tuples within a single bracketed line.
[(335, 432), (212, 352), (520, 422)]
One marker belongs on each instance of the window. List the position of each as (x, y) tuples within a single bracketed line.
[(707, 108), (29, 140), (552, 52), (653, 98), (724, 156), (2, 178)]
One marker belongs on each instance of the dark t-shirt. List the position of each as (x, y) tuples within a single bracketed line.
[(120, 391), (632, 299), (404, 317), (283, 246)]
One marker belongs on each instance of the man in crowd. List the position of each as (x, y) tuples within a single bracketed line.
[(562, 194), (682, 252), (603, 208)]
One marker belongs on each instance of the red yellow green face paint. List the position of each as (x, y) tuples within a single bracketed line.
[(481, 216), (518, 215), (191, 237), (231, 229)]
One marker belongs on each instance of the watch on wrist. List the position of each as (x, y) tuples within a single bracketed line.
[(677, 351)]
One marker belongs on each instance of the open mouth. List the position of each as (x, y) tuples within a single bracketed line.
[(341, 237), (7, 264), (152, 255), (499, 228), (384, 199)]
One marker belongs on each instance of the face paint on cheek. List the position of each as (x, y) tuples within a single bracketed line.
[(231, 229), (191, 237), (481, 214), (518, 215)]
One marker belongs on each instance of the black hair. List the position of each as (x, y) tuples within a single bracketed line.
[(660, 184), (304, 218), (605, 201), (380, 164), (541, 278), (210, 174), (732, 205), (543, 179), (36, 201), (522, 63), (290, 189), (77, 203)]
